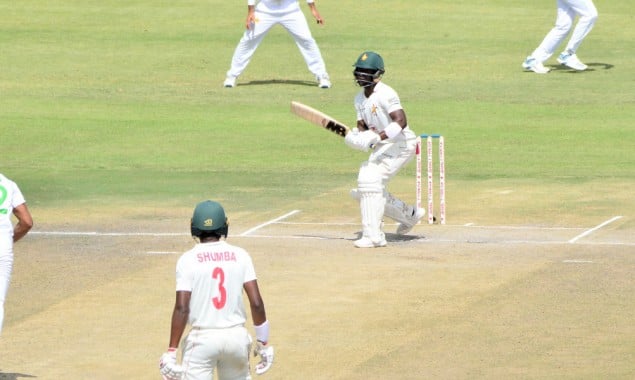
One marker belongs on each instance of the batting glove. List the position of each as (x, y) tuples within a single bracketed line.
[(361, 140), (370, 138), (266, 357), (168, 367)]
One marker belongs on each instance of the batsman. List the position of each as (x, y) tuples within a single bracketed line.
[(382, 128)]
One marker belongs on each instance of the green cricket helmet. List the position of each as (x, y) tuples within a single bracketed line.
[(209, 216), (369, 68)]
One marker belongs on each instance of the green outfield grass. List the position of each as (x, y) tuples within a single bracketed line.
[(113, 120), (115, 101)]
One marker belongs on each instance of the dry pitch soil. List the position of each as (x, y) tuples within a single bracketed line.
[(93, 299)]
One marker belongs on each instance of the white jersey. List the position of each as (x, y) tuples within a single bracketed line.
[(215, 273), (10, 198), (277, 6), (375, 110)]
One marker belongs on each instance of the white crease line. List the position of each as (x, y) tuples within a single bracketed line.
[(269, 222), (475, 226), (93, 233), (590, 231), (275, 221), (577, 261), (320, 224), (294, 237), (161, 252), (426, 240), (429, 240), (423, 225)]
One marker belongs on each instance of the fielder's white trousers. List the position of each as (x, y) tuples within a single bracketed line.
[(295, 23), (227, 350), (6, 266), (567, 11)]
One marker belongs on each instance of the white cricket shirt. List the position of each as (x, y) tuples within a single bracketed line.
[(215, 273), (375, 110), (10, 198), (277, 6)]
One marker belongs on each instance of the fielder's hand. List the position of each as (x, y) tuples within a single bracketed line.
[(168, 367), (266, 357), (361, 140)]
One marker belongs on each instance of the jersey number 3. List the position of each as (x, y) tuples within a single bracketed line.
[(221, 299)]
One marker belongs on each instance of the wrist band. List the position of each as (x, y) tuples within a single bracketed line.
[(392, 130), (262, 332), (251, 2)]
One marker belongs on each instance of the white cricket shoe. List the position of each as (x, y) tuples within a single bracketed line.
[(366, 242), (571, 61), (535, 66), (230, 82), (404, 228), (324, 81)]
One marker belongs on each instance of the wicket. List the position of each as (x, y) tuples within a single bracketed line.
[(430, 172)]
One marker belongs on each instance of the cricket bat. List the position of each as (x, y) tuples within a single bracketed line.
[(319, 118)]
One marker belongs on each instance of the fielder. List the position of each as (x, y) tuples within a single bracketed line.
[(11, 202), (210, 279), (261, 18), (383, 128), (567, 11)]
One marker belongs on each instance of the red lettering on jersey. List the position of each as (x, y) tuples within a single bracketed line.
[(230, 256), (216, 256)]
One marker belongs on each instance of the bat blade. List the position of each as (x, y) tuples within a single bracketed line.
[(319, 118)]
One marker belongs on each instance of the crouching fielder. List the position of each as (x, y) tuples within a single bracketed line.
[(210, 279), (382, 127)]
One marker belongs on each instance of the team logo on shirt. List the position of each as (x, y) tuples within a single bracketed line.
[(3, 196)]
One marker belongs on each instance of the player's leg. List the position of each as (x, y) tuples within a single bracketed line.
[(564, 22), (395, 208), (392, 160), (407, 215), (371, 204), (295, 23), (588, 16), (248, 44), (233, 363), (6, 266), (200, 354)]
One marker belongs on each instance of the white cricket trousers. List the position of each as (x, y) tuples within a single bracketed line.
[(6, 266), (227, 350), (295, 23), (391, 157), (372, 180), (567, 11)]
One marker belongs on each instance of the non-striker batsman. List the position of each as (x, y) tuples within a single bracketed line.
[(210, 281)]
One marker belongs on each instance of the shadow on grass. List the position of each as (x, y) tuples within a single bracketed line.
[(390, 237), (395, 238), (279, 81), (14, 376), (594, 66)]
